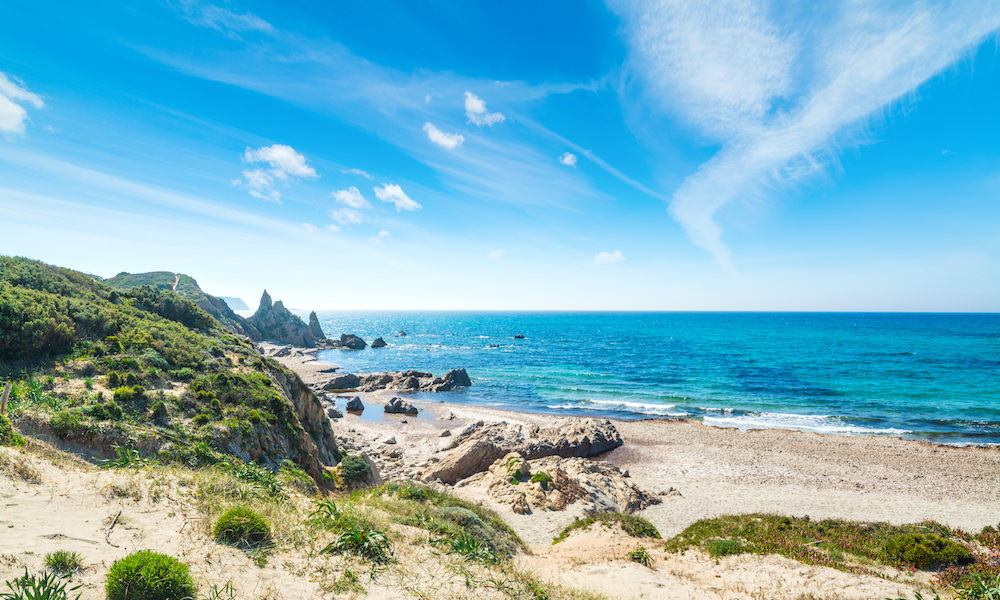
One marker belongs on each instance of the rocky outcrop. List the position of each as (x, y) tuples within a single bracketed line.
[(314, 327), (379, 343), (277, 323), (553, 483), (355, 405), (401, 333), (398, 406), (348, 341), (414, 381), (347, 381), (475, 449)]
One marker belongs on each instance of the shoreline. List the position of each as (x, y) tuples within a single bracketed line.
[(714, 470)]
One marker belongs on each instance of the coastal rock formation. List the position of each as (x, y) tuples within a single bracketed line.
[(348, 341), (398, 406), (355, 405), (401, 333), (379, 343), (414, 381), (277, 323), (314, 327), (347, 381), (475, 449), (553, 483)]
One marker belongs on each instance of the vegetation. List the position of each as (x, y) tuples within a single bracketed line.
[(147, 575), (636, 527), (717, 548), (926, 551), (242, 527), (46, 586), (353, 468), (370, 544), (642, 556), (542, 478), (9, 437), (63, 561)]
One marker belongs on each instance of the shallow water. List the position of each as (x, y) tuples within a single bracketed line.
[(925, 376)]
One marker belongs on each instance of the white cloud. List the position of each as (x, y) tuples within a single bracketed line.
[(568, 159), (781, 91), (357, 172), (309, 227), (223, 19), (347, 216), (427, 99), (496, 254), (13, 94), (382, 236), (475, 111), (609, 258), (449, 141), (285, 164), (390, 192), (351, 197)]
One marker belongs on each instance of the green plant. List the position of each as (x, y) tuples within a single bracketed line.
[(147, 575), (641, 556), (47, 586), (326, 510), (202, 419), (65, 422), (242, 527), (981, 588), (370, 544), (226, 592), (158, 411), (636, 527), (63, 561), (926, 551), (114, 380), (9, 437), (126, 457), (253, 474), (88, 383), (542, 478), (353, 468), (470, 548), (717, 548)]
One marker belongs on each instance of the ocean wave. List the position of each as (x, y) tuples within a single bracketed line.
[(643, 408), (814, 423)]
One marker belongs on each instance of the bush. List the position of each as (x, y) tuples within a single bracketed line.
[(9, 437), (159, 410), (641, 556), (353, 468), (108, 412), (369, 544), (185, 374), (926, 551), (202, 419), (717, 548), (114, 380), (147, 575), (65, 422), (63, 561), (636, 527), (242, 527)]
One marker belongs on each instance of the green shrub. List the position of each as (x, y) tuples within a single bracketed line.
[(185, 374), (242, 527), (542, 478), (471, 548), (202, 419), (717, 548), (114, 380), (9, 437), (147, 575), (353, 468), (370, 544), (63, 561), (926, 551), (88, 383), (642, 556), (109, 411), (47, 586), (65, 422), (636, 527), (159, 410)]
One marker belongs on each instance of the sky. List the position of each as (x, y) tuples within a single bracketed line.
[(518, 155)]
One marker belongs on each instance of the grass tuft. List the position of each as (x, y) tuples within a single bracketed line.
[(636, 527)]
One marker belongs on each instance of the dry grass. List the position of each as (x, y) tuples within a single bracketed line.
[(16, 465)]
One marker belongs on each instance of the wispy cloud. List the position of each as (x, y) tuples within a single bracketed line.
[(381, 236), (568, 159), (13, 95), (609, 258), (285, 164), (222, 19), (448, 141), (782, 90), (347, 216), (475, 111), (351, 197), (357, 172), (496, 254), (390, 192)]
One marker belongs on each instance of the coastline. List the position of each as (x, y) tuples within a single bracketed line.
[(714, 470)]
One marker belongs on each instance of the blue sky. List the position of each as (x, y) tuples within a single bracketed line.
[(519, 155)]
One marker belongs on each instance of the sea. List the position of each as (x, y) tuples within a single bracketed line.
[(932, 377)]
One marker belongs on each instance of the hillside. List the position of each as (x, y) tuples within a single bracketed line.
[(145, 368), (187, 287)]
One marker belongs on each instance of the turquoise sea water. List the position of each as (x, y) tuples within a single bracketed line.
[(924, 376)]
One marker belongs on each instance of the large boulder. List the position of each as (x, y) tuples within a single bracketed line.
[(347, 381), (355, 405), (349, 341), (379, 343), (398, 406), (452, 380), (278, 324), (314, 327), (476, 450), (414, 381)]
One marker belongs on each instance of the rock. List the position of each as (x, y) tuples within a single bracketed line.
[(519, 337), (450, 417), (480, 448), (403, 421), (314, 327), (334, 413), (452, 380), (445, 433), (349, 341), (283, 351), (347, 381), (277, 323), (414, 381), (379, 343), (599, 486), (401, 333), (398, 406), (389, 440), (355, 405)]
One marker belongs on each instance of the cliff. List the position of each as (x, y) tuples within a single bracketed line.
[(278, 324)]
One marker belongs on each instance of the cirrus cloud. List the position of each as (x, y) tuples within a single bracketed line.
[(13, 95)]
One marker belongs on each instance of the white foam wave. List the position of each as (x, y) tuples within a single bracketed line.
[(663, 410), (814, 423)]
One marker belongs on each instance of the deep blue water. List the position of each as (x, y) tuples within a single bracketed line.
[(925, 376)]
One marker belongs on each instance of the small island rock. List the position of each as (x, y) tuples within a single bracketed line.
[(399, 406), (355, 405), (379, 343)]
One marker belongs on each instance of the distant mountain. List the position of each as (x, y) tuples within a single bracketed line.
[(187, 287), (235, 303)]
